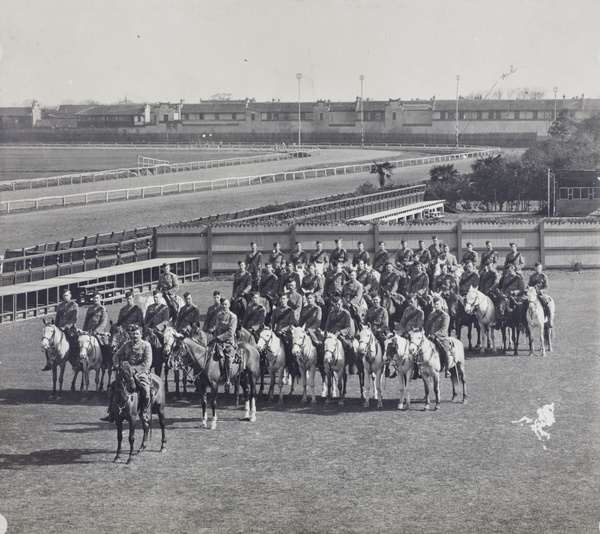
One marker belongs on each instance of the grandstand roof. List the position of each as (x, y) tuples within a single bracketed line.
[(15, 112), (132, 109)]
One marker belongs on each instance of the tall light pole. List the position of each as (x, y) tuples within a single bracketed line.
[(362, 115), (457, 80), (555, 89), (299, 77)]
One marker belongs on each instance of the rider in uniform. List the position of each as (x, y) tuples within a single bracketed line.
[(436, 329), (188, 317), (381, 258), (298, 255), (254, 265), (269, 287), (512, 285), (294, 300), (224, 338), (515, 258), (289, 274), (489, 279), (448, 259), (445, 283), (488, 256), (320, 258), (378, 319), (470, 255), (168, 284), (360, 254), (139, 355), (276, 259), (66, 317), (96, 322), (352, 294), (130, 314), (413, 317), (403, 256), (339, 322), (334, 281), (338, 255), (254, 318), (468, 279), (313, 282), (419, 284), (211, 314), (157, 316), (282, 321), (539, 280), (242, 285), (310, 320)]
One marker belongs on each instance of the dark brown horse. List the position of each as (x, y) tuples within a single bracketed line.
[(512, 316), (208, 373), (125, 406)]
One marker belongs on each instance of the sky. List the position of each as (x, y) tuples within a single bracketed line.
[(70, 51)]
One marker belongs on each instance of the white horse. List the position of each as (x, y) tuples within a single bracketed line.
[(335, 367), (398, 354), (537, 320), (483, 307), (428, 360), (305, 353), (90, 356), (55, 344), (272, 345), (370, 351)]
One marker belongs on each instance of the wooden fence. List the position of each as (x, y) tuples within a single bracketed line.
[(554, 242), (192, 187)]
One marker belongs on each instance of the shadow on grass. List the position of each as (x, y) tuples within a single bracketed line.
[(49, 457)]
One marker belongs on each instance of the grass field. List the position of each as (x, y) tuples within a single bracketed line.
[(302, 469)]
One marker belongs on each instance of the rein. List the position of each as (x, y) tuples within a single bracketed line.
[(371, 352), (333, 353), (54, 348)]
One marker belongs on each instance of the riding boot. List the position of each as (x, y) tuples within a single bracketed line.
[(48, 366), (110, 418)]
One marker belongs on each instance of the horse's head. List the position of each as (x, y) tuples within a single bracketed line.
[(264, 339), (118, 336), (366, 339), (170, 335), (48, 335), (532, 294), (298, 335), (330, 347), (125, 377), (85, 346), (416, 340), (471, 300)]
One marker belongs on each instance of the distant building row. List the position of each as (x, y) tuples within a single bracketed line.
[(373, 120)]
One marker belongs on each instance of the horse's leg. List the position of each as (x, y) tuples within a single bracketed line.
[(542, 336), (61, 377), (204, 423), (485, 339), (103, 373), (54, 378), (426, 385), (378, 380), (366, 389), (304, 378), (323, 383), (436, 389), (145, 429), (360, 371), (280, 384), (74, 381), (245, 382), (549, 334), (213, 405), (401, 389), (119, 422), (98, 373), (160, 411), (330, 387), (460, 369), (454, 379), (132, 424), (272, 374), (342, 385), (311, 382)]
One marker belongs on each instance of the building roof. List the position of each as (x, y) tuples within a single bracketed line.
[(578, 178), (215, 106), (15, 112), (114, 110), (53, 122)]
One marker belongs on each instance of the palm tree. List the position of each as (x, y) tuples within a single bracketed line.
[(384, 170), (443, 172)]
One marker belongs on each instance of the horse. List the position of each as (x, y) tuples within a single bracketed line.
[(449, 302), (512, 319), (55, 344), (170, 336), (398, 354), (536, 319), (335, 368), (207, 373), (483, 307), (464, 319), (305, 353), (90, 357), (125, 407), (272, 345), (370, 351)]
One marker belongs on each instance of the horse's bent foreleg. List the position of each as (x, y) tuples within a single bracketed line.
[(131, 439), (213, 404), (119, 422)]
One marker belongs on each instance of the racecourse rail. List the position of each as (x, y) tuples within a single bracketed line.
[(147, 170), (202, 185)]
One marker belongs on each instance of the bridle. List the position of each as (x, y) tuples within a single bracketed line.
[(53, 346), (370, 352), (334, 352)]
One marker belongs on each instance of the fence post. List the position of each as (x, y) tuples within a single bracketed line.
[(459, 239), (542, 243), (209, 250)]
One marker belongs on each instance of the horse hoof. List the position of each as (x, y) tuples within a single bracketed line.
[(253, 418), (464, 401), (454, 398), (203, 424), (400, 406), (341, 402), (280, 401), (163, 449), (213, 425), (129, 460), (117, 458), (427, 407), (379, 404), (303, 400)]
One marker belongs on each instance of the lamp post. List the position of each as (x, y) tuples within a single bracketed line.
[(299, 77), (555, 89), (362, 115), (457, 80)]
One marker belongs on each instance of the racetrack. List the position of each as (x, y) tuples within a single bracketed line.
[(302, 469)]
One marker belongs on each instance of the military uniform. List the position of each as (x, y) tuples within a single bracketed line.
[(352, 293), (298, 256), (388, 283), (380, 260), (66, 314), (187, 317), (334, 282), (419, 285), (434, 251), (211, 317), (288, 277), (321, 260), (130, 315), (467, 280), (254, 267), (276, 260), (269, 288), (360, 255), (96, 319), (340, 322), (449, 260), (310, 319), (157, 316), (139, 356), (225, 327), (487, 257), (282, 321), (540, 282), (295, 303), (242, 284), (254, 318), (516, 259), (313, 284), (472, 256), (338, 256), (168, 284), (402, 256), (488, 281), (379, 320), (512, 286), (422, 256), (412, 319), (445, 283), (436, 328)]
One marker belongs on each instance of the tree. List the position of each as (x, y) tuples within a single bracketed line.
[(442, 172), (384, 170)]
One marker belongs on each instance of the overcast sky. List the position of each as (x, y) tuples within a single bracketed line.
[(72, 50)]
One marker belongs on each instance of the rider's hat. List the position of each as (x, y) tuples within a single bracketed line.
[(403, 241), (187, 294), (382, 242), (339, 240), (488, 242), (252, 243), (66, 291), (156, 292), (134, 327), (469, 243), (164, 265), (215, 293), (434, 237), (537, 264), (128, 294), (421, 241), (511, 244), (319, 243), (359, 243)]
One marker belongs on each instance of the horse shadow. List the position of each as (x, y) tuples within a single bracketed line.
[(15, 397), (49, 457)]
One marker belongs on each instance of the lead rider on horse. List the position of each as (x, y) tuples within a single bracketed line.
[(539, 280), (66, 317), (139, 355), (168, 284)]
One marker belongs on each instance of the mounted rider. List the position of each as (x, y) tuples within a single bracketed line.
[(269, 287), (468, 279), (298, 255), (382, 257), (339, 322), (360, 254), (139, 355), (254, 265), (352, 295), (448, 258), (469, 255), (334, 281), (489, 280), (338, 255), (488, 256), (157, 317), (188, 317), (404, 256), (276, 259), (310, 319), (224, 338), (282, 321), (254, 318), (378, 319), (66, 317), (294, 300), (320, 258), (515, 258), (419, 283), (130, 314), (539, 280), (413, 318), (242, 285), (289, 274), (96, 322), (445, 283), (388, 288), (168, 284), (314, 283), (210, 319), (512, 286), (422, 255), (436, 329)]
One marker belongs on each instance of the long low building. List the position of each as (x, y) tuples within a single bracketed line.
[(519, 122)]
